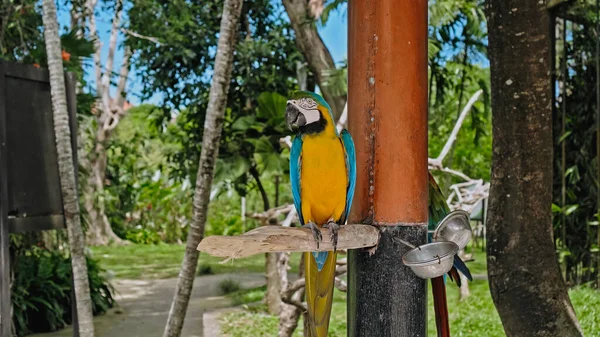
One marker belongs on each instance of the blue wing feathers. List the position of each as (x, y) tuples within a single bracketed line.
[(351, 171), (295, 161)]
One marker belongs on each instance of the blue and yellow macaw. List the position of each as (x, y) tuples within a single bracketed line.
[(323, 176), (438, 209)]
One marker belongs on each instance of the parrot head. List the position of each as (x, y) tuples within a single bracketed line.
[(308, 112)]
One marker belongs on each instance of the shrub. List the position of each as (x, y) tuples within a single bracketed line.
[(205, 269), (42, 287), (143, 236), (228, 286)]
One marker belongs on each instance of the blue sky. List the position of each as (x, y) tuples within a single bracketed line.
[(335, 36)]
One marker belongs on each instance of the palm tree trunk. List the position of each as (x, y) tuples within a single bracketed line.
[(210, 147), (67, 170)]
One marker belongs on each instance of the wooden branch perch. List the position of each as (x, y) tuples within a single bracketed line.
[(280, 239)]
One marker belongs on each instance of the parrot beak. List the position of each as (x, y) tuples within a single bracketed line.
[(294, 118)]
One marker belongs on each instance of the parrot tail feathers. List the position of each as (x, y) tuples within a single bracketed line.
[(453, 274), (440, 306), (462, 267), (320, 280)]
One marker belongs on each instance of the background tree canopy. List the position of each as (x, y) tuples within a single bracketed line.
[(153, 151)]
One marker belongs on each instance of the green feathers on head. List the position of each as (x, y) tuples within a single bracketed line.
[(438, 208)]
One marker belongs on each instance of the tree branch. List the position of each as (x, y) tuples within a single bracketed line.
[(91, 8), (294, 302), (289, 218), (123, 74), (112, 45), (438, 161), (342, 122), (140, 36), (434, 167), (341, 285)]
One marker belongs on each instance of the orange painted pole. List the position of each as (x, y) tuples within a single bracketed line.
[(387, 62)]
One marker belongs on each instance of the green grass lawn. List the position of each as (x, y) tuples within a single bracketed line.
[(475, 316), (163, 261)]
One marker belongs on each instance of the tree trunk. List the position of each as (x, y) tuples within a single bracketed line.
[(67, 170), (524, 275), (100, 232), (272, 299), (314, 50), (109, 113), (208, 156), (290, 314), (273, 296)]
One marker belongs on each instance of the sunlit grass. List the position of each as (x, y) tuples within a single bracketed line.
[(474, 316), (136, 261)]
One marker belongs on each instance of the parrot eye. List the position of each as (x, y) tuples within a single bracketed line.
[(307, 103)]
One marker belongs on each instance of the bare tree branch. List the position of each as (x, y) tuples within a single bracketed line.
[(341, 285), (289, 218), (294, 302), (91, 8), (286, 142), (140, 36), (343, 121), (112, 45), (450, 171), (119, 96), (438, 161)]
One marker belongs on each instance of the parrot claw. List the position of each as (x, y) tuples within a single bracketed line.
[(315, 232), (333, 228)]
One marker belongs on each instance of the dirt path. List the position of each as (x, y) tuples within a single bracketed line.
[(143, 307)]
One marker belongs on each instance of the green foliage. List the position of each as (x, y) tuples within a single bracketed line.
[(224, 218), (22, 39), (247, 296), (576, 222), (143, 236), (142, 203), (330, 7), (42, 287), (457, 52), (228, 286), (180, 68), (256, 324), (20, 30)]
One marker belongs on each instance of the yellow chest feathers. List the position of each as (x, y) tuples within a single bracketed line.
[(323, 179)]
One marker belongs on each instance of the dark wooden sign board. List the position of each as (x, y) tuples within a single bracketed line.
[(30, 194)]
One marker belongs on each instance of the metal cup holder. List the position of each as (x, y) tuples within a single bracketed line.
[(435, 259)]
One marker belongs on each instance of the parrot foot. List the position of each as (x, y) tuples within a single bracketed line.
[(333, 228), (315, 232)]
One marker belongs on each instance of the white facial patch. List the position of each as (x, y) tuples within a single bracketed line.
[(311, 115), (308, 107)]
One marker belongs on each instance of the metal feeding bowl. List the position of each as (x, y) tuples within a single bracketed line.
[(431, 260), (455, 227)]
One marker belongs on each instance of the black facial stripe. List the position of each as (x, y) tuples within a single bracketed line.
[(315, 127)]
